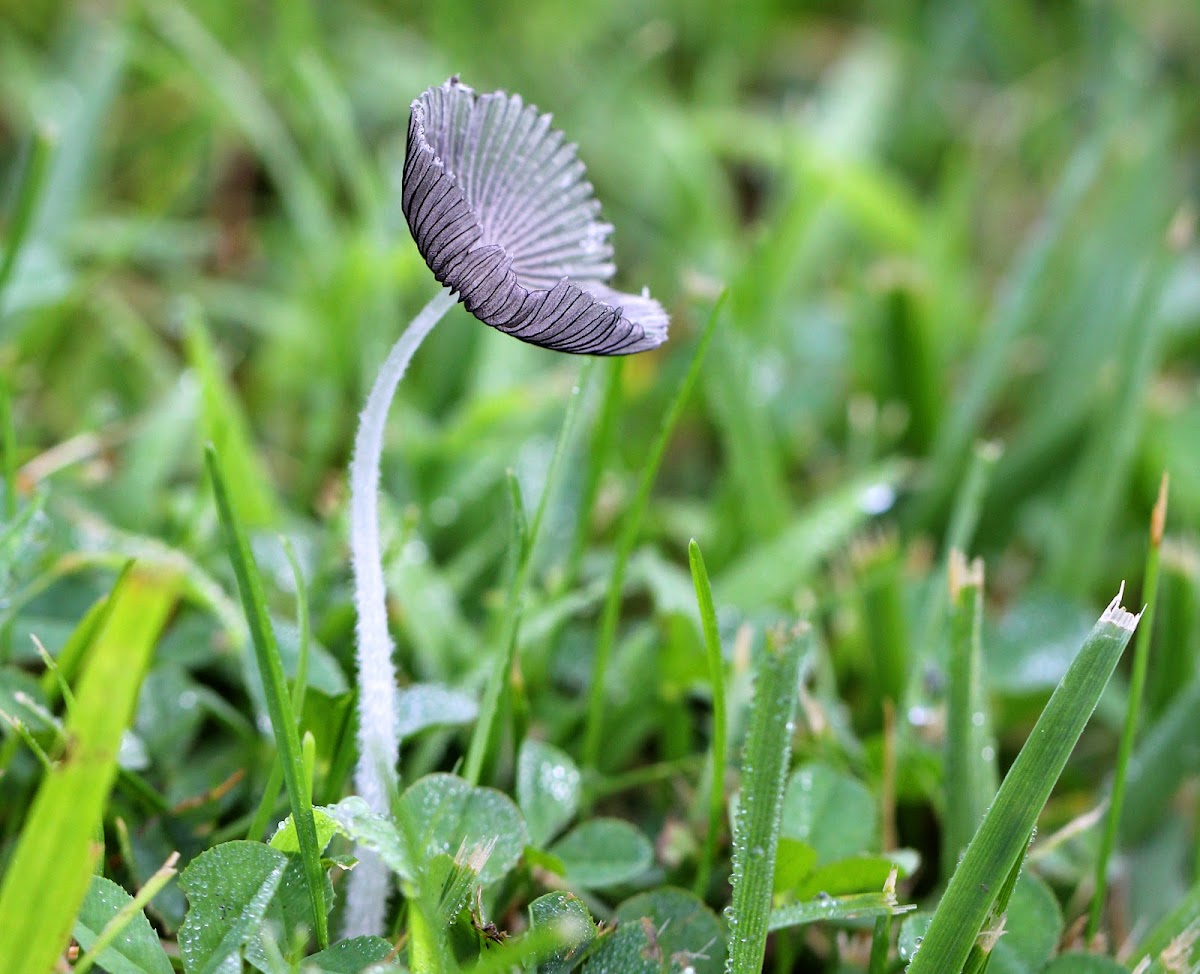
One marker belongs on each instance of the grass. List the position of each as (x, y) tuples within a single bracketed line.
[(960, 321)]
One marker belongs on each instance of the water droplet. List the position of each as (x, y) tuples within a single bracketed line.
[(877, 498)]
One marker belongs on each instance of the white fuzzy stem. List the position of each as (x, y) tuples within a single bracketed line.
[(378, 743)]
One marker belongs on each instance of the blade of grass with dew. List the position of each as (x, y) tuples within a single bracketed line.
[(266, 805), (630, 528), (1001, 839), (279, 705), (859, 906), (716, 678), (1137, 685), (970, 778), (981, 951), (764, 770), (56, 852)]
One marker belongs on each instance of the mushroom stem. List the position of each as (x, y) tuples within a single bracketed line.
[(378, 743)]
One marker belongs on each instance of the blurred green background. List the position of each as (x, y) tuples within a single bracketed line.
[(938, 223)]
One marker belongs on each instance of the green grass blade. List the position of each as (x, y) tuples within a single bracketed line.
[(279, 704), (774, 569), (963, 521), (1164, 757), (523, 540), (324, 95), (303, 624), (764, 770), (8, 450), (56, 852), (598, 451), (754, 464), (1183, 918), (1178, 622), (716, 677), (881, 936), (981, 951), (969, 504), (970, 760), (22, 735), (1001, 838), (55, 675), (879, 572), (856, 906), (1015, 303), (225, 423), (630, 528), (8, 472), (1103, 472), (237, 91), (266, 805), (18, 223), (1137, 686), (502, 665)]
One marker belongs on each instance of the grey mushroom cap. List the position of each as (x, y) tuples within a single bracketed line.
[(500, 210)]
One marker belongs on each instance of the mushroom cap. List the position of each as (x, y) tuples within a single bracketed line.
[(500, 210)]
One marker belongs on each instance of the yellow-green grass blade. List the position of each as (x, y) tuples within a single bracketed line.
[(56, 852)]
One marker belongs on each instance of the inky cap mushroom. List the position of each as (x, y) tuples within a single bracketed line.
[(501, 212)]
